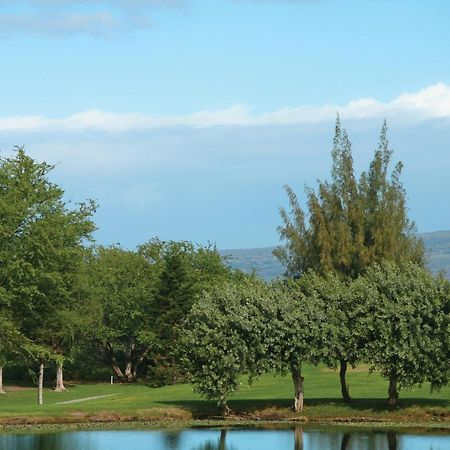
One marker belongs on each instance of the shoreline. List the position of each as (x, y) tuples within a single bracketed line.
[(36, 425)]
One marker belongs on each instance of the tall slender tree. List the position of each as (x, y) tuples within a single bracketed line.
[(350, 223)]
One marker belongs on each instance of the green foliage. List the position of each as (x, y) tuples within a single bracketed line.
[(407, 325), (41, 246), (351, 224), (184, 271), (139, 300), (298, 326), (224, 336), (122, 297), (251, 328)]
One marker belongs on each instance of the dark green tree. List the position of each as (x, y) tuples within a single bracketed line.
[(41, 242), (184, 272), (122, 285)]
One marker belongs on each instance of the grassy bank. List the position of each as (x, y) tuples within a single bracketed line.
[(268, 399)]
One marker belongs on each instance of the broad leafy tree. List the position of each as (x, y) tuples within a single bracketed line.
[(407, 325), (40, 247), (303, 332), (227, 333), (122, 291), (252, 328)]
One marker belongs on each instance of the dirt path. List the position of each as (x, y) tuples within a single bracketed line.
[(85, 399)]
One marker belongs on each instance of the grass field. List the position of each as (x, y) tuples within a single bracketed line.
[(269, 398)]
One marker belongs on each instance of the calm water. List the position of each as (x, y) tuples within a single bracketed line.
[(248, 439)]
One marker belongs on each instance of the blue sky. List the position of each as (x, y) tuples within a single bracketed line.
[(184, 118)]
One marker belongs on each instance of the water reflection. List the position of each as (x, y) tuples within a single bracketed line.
[(345, 441), (220, 444), (297, 438)]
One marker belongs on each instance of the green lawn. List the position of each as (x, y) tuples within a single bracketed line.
[(268, 398)]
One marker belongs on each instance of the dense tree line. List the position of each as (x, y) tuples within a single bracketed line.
[(65, 300), (355, 291), (395, 318)]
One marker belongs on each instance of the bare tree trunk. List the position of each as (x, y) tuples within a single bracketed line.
[(298, 438), (59, 378), (116, 369), (344, 385), (1, 380), (298, 388), (129, 372), (224, 406), (393, 392), (41, 383)]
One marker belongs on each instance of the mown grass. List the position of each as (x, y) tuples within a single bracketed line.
[(268, 398)]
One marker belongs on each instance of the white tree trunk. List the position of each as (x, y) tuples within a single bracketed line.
[(129, 372), (41, 384), (298, 388), (59, 378), (1, 380)]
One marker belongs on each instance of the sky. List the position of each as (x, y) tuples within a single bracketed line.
[(184, 119)]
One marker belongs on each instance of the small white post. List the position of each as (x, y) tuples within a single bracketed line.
[(112, 379)]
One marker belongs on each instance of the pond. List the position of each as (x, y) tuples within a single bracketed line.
[(298, 438)]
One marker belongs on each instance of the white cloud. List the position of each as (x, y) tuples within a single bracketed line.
[(63, 17), (432, 102), (100, 24)]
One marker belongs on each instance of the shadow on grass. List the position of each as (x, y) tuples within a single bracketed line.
[(329, 406)]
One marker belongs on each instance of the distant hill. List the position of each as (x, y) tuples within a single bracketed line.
[(261, 260)]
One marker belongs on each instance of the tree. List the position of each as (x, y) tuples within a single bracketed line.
[(122, 287), (251, 328), (407, 324), (302, 331), (183, 272), (9, 337), (350, 224), (40, 247), (226, 334)]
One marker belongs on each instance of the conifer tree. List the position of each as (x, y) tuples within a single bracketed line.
[(349, 223)]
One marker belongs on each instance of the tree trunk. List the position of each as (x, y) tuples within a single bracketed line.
[(41, 383), (1, 380), (393, 392), (129, 378), (344, 385), (59, 378), (298, 380), (117, 370), (224, 406), (298, 438)]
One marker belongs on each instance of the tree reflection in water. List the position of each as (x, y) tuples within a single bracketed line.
[(219, 445), (172, 440), (345, 441), (298, 438), (392, 440)]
